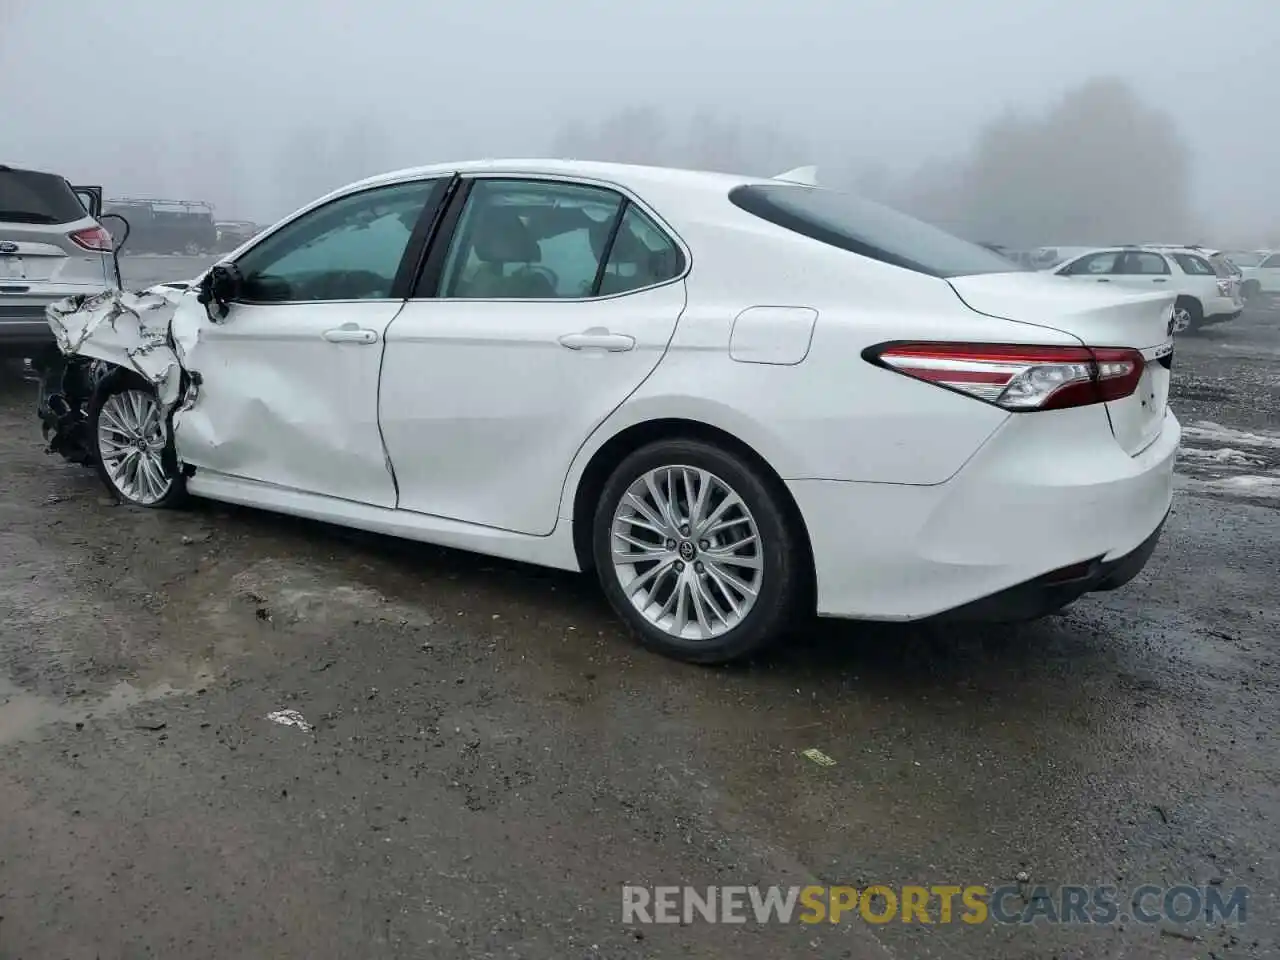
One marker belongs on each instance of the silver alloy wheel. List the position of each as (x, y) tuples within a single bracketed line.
[(130, 441), (687, 552), (1181, 319)]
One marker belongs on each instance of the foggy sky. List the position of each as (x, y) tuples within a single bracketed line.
[(189, 98)]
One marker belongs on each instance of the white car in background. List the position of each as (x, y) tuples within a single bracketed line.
[(1206, 294), (736, 400), (1261, 270)]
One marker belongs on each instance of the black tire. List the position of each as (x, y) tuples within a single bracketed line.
[(1250, 290), (117, 383), (1195, 314), (783, 559)]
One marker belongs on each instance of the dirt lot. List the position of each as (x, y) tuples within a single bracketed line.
[(490, 760)]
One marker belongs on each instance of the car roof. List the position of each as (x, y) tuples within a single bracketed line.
[(636, 177)]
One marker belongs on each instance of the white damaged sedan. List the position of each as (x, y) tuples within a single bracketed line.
[(737, 400)]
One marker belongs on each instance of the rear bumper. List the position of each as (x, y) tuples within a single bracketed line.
[(1053, 591), (1048, 491), (23, 326)]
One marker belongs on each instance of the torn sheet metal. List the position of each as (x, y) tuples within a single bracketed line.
[(94, 335), (127, 329)]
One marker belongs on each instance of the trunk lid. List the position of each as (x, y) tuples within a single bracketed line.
[(1098, 318)]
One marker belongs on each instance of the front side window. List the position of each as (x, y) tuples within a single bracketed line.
[(1193, 265), (869, 229), (1093, 264), (349, 249), (1271, 262)]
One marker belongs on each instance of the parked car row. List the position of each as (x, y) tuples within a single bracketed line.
[(1207, 287)]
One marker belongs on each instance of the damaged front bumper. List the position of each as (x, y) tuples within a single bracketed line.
[(95, 336)]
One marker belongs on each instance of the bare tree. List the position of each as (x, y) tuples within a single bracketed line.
[(1100, 166), (706, 141)]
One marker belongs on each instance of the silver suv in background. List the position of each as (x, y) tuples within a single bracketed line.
[(51, 247)]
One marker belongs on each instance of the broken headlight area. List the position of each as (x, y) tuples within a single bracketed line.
[(95, 336)]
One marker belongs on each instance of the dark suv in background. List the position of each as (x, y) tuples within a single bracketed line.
[(51, 247), (167, 226)]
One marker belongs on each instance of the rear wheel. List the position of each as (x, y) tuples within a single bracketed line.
[(1250, 290), (696, 552), (130, 437), (1187, 315)]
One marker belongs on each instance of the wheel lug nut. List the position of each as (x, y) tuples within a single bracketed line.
[(679, 567), (704, 544), (671, 544), (698, 566), (684, 530)]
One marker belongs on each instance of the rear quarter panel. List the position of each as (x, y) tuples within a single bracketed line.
[(833, 415)]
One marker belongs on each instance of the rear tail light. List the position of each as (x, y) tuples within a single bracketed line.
[(1224, 288), (1016, 377), (96, 239)]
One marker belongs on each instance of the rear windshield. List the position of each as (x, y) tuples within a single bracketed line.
[(867, 228), (1223, 267), (30, 197)]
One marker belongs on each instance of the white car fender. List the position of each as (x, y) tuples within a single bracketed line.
[(645, 409)]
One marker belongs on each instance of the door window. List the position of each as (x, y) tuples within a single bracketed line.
[(350, 249), (1094, 264), (529, 240), (1145, 264), (1272, 262)]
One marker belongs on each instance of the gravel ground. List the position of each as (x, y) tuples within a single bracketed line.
[(489, 759)]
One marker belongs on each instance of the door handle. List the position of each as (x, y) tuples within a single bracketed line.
[(598, 338), (1104, 279), (351, 333), (1160, 280)]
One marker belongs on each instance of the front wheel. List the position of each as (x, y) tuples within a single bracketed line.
[(697, 552), (130, 437)]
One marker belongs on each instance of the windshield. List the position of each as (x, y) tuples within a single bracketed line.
[(30, 197), (1243, 258), (867, 228)]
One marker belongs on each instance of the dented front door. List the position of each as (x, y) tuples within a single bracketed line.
[(288, 395), (288, 379)]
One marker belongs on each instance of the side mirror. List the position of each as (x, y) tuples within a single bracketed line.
[(219, 288)]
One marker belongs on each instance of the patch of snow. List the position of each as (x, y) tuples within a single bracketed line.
[(1215, 432), (289, 718)]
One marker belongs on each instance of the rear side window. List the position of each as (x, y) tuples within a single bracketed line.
[(869, 229), (1145, 264), (27, 196), (1196, 266), (1223, 267)]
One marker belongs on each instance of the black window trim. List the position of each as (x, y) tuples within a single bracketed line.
[(430, 274), (423, 230)]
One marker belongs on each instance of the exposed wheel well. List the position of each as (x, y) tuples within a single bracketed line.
[(618, 448), (1192, 304)]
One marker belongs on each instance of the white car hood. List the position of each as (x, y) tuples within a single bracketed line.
[(127, 329)]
